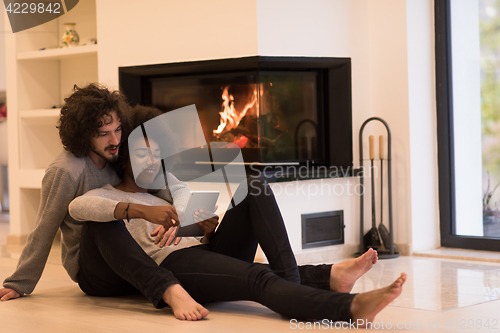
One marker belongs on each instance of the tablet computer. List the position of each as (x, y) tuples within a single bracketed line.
[(197, 200)]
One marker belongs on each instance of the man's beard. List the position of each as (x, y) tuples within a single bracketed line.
[(112, 158)]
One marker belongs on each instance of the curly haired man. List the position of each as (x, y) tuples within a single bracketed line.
[(90, 127)]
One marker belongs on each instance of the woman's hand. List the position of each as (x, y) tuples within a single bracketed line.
[(208, 221), (162, 215), (165, 238), (165, 216)]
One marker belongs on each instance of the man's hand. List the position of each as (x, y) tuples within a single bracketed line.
[(162, 215), (7, 293), (208, 221), (165, 238)]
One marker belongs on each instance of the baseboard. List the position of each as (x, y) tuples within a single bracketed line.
[(16, 239), (404, 249)]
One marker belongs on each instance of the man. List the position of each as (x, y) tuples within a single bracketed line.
[(90, 129)]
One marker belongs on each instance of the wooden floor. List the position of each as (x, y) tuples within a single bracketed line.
[(440, 294)]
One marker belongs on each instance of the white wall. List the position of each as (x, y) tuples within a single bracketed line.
[(389, 79), (422, 120), (162, 31), (3, 84)]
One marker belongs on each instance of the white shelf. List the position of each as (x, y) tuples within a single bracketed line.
[(60, 53), (42, 113), (31, 178), (37, 80)]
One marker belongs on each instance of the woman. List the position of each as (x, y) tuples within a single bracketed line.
[(220, 269)]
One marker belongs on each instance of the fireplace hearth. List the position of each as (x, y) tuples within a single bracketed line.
[(281, 111)]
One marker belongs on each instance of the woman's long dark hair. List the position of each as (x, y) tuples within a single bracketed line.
[(138, 115)]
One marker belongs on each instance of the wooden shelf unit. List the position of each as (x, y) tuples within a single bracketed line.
[(37, 83), (59, 53)]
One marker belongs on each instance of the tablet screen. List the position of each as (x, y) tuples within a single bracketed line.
[(198, 200)]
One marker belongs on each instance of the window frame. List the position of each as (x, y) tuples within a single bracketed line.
[(445, 137)]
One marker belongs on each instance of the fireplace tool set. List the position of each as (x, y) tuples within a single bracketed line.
[(372, 238)]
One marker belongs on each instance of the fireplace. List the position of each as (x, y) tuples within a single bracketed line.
[(281, 111)]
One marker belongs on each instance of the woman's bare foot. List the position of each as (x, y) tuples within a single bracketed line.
[(365, 306), (182, 304), (345, 274)]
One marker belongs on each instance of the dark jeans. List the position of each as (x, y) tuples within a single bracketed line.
[(113, 264), (210, 276), (257, 220)]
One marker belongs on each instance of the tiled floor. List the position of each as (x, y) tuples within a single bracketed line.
[(436, 284), (439, 295)]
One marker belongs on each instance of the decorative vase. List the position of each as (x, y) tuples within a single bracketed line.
[(70, 37)]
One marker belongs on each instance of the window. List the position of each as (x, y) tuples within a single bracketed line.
[(468, 118)]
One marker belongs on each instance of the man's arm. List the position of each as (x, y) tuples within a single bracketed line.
[(58, 189)]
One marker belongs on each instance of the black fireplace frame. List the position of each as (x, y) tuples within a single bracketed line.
[(334, 92)]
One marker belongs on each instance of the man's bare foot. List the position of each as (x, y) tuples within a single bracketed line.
[(365, 306), (345, 274), (182, 304)]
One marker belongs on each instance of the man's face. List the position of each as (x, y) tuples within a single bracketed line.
[(107, 140)]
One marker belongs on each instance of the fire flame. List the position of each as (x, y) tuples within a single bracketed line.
[(229, 117)]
